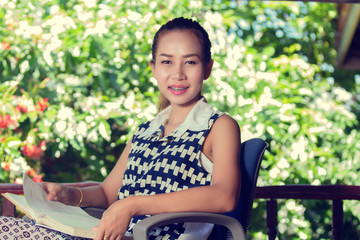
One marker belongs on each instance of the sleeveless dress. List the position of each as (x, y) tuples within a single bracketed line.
[(172, 163), (156, 164)]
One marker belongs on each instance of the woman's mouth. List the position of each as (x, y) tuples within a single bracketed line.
[(178, 90)]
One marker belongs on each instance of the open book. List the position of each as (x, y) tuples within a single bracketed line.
[(52, 214)]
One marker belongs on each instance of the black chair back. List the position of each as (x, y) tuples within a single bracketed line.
[(252, 152)]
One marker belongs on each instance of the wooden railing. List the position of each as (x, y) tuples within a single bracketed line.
[(336, 193)]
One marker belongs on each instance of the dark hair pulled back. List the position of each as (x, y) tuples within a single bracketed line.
[(185, 24)]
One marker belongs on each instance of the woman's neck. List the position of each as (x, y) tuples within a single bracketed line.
[(176, 117), (179, 113)]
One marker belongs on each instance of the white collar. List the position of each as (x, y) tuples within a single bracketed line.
[(197, 119)]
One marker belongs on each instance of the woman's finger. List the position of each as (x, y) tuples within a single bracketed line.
[(100, 233), (99, 236)]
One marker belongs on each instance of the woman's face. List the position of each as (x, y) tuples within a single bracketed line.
[(179, 68)]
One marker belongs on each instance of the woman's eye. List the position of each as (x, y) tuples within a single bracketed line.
[(191, 62), (165, 62)]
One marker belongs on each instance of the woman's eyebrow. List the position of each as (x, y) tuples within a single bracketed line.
[(192, 55), (185, 56), (165, 55)]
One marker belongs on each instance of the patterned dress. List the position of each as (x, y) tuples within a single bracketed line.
[(172, 163), (156, 164), (16, 229)]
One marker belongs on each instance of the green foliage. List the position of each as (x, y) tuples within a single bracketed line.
[(274, 73)]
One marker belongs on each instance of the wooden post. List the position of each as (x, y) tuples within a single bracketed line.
[(7, 209), (271, 218), (337, 218)]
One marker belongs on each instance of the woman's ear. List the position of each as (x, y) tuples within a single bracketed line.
[(208, 68), (152, 66)]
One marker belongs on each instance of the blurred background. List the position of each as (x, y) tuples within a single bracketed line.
[(75, 83)]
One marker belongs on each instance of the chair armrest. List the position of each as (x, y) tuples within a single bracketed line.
[(142, 229)]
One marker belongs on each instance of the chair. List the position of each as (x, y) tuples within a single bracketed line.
[(237, 221)]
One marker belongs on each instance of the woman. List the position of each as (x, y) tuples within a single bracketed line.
[(186, 159)]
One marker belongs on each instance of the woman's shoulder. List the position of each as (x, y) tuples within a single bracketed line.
[(226, 120), (225, 124), (224, 133)]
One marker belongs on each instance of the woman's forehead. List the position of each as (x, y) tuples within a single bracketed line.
[(177, 40)]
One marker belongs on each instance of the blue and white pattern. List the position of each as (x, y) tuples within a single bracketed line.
[(24, 229), (160, 164)]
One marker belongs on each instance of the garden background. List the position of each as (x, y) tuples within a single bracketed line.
[(75, 83)]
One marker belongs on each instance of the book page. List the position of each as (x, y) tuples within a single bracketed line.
[(63, 214)]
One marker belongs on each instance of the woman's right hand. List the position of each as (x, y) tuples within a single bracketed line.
[(57, 192)]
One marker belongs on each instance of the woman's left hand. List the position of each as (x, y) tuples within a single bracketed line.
[(114, 222)]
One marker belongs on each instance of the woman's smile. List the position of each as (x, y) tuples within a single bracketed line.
[(178, 89)]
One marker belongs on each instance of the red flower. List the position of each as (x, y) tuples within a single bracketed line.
[(35, 177), (5, 166), (5, 121), (22, 108), (5, 45), (43, 104), (34, 151)]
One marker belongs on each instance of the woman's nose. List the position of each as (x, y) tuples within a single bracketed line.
[(178, 73)]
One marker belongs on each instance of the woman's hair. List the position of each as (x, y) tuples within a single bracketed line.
[(182, 24)]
